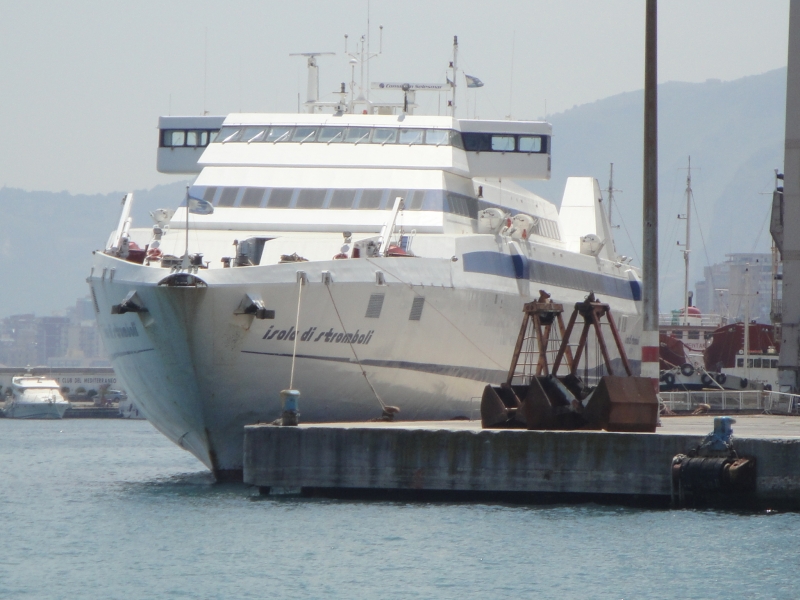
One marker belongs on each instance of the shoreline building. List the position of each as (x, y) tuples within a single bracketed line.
[(729, 286)]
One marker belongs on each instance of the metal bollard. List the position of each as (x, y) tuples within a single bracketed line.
[(290, 414)]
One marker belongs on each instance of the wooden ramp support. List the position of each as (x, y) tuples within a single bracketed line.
[(534, 397)]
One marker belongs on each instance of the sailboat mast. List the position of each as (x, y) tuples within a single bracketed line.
[(747, 361), (687, 246), (610, 194)]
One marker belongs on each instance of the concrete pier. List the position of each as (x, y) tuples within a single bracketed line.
[(461, 461)]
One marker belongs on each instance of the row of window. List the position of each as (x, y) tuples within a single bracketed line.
[(186, 138), (336, 134), (758, 363), (343, 199), (477, 142), (358, 199), (505, 142), (693, 335)]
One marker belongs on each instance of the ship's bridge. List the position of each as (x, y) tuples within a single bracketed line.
[(182, 140), (470, 148)]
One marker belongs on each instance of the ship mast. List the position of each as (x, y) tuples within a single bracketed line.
[(687, 245), (747, 362), (611, 189), (454, 66)]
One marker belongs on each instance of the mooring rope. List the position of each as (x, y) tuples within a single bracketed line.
[(296, 333), (355, 354)]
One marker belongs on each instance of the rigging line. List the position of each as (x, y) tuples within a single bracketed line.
[(760, 231), (358, 361), (705, 249), (411, 287), (296, 333), (665, 268), (627, 233)]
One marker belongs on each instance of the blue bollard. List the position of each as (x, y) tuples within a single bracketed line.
[(290, 414)]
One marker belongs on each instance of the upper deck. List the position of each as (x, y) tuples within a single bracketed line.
[(469, 148)]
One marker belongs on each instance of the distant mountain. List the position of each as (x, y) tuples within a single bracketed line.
[(734, 133), (46, 240), (732, 130)]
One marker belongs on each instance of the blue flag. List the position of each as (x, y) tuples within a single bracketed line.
[(198, 206), (473, 82)]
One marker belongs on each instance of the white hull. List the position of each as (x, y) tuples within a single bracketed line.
[(36, 410), (200, 373)]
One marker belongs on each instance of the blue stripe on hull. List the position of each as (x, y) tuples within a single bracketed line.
[(520, 267)]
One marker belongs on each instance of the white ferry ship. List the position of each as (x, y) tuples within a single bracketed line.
[(367, 255)]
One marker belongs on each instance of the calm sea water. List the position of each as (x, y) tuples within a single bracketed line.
[(111, 509)]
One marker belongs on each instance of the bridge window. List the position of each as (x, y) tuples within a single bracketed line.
[(279, 134), (357, 135), (254, 134), (331, 134), (410, 136), (304, 134), (384, 135), (228, 134), (174, 138), (503, 143), (530, 143), (437, 137)]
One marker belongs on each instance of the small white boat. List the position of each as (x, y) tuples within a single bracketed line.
[(35, 397)]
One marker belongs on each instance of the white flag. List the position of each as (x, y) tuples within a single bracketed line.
[(473, 82), (198, 206)]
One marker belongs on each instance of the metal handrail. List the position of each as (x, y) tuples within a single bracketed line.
[(703, 320), (766, 401)]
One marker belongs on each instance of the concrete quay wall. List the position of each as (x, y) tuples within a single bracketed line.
[(513, 461)]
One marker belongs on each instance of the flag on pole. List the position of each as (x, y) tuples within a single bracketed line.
[(198, 206), (473, 82)]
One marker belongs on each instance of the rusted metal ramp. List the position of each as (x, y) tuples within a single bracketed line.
[(541, 400)]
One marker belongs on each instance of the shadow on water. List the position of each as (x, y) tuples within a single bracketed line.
[(202, 485), (197, 484)]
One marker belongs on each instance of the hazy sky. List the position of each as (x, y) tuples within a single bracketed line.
[(84, 81)]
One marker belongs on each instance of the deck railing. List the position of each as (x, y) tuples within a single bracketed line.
[(704, 320), (767, 402)]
